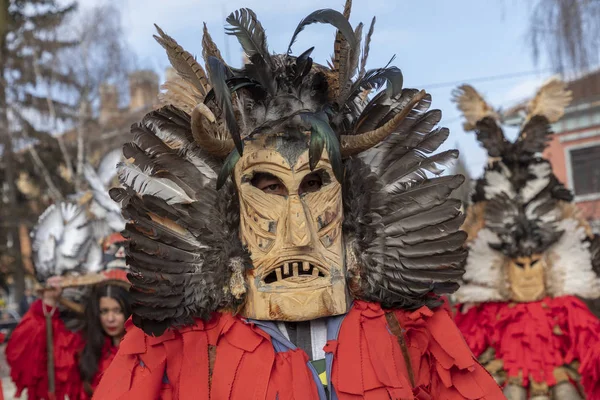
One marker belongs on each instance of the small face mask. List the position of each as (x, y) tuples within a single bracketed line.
[(526, 278), (291, 223)]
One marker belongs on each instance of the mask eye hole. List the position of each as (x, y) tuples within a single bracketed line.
[(269, 184), (311, 183), (520, 264)]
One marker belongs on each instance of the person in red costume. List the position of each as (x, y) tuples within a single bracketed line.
[(316, 271), (85, 334), (531, 256)]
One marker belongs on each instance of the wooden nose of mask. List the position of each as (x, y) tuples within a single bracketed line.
[(298, 230)]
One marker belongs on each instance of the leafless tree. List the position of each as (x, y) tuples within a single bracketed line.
[(567, 32), (102, 56), (26, 40)]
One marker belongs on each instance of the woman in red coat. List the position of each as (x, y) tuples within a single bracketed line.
[(80, 357)]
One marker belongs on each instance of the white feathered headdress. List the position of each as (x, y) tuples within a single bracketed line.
[(520, 208)]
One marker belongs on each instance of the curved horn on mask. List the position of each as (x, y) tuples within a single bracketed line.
[(207, 141), (354, 144)]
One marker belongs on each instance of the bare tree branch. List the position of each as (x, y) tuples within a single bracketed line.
[(567, 32), (52, 115)]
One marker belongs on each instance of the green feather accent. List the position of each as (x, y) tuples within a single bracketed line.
[(317, 142), (227, 168), (321, 132)]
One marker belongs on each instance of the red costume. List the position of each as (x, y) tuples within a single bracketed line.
[(228, 357), (540, 341), (27, 356), (530, 254)]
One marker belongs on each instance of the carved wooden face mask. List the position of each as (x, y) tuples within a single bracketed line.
[(526, 278), (291, 222)]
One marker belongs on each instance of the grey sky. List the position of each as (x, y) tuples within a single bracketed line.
[(434, 41)]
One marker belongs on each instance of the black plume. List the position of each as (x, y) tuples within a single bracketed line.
[(326, 16), (218, 78)]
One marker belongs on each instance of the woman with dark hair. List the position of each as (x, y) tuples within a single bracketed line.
[(105, 314), (80, 358), (85, 327)]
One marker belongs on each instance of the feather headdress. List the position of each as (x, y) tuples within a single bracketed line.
[(401, 229), (64, 243), (520, 207)]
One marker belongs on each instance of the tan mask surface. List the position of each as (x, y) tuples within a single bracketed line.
[(291, 222), (526, 278)]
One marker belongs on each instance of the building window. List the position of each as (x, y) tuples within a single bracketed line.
[(585, 167)]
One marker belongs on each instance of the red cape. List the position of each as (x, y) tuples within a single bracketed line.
[(532, 339), (27, 357), (368, 362)]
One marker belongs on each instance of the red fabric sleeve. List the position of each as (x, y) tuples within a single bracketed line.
[(26, 355)]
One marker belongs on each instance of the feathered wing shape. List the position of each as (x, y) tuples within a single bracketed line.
[(473, 106), (550, 101), (61, 241), (183, 244), (402, 225), (106, 213)]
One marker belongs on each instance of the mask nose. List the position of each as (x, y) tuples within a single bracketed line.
[(298, 231)]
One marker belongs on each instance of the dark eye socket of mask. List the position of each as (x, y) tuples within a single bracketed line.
[(269, 183), (312, 182)]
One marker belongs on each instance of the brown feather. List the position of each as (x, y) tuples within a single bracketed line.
[(209, 48), (184, 63)]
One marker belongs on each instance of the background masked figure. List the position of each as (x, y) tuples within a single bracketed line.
[(314, 272), (530, 254), (84, 304)]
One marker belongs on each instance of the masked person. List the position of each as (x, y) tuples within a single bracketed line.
[(84, 312), (289, 233), (530, 254)]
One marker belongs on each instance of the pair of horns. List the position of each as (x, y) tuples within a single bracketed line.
[(350, 144)]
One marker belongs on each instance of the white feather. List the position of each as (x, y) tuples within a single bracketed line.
[(497, 183), (570, 263), (145, 184), (484, 278), (107, 169), (60, 239), (75, 235), (99, 190), (93, 261), (201, 165), (534, 186)]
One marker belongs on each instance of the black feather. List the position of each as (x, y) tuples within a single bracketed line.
[(218, 79), (250, 33), (326, 16)]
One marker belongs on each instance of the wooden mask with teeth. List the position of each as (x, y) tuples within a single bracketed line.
[(291, 224)]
